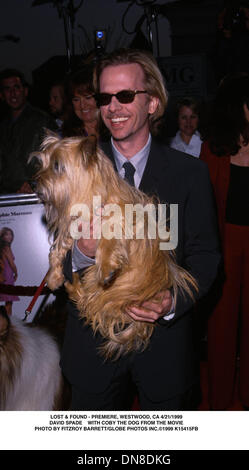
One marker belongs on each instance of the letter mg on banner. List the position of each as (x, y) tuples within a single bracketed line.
[(185, 75)]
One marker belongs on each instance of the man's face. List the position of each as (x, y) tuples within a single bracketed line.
[(14, 93), (56, 101), (127, 122)]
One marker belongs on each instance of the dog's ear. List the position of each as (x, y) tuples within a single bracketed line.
[(88, 148), (50, 138)]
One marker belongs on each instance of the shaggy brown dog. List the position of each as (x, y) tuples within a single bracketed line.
[(128, 271)]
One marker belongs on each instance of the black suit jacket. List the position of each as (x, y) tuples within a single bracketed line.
[(169, 366)]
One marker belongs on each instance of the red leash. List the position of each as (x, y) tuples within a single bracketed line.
[(33, 301)]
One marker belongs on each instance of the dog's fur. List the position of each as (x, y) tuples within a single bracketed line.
[(30, 375), (127, 271)]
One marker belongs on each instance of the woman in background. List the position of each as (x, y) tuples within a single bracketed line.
[(7, 266), (83, 116), (226, 152), (187, 138)]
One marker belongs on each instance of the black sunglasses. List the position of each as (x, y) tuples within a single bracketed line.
[(124, 97)]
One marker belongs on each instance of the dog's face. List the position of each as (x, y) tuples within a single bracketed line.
[(66, 174)]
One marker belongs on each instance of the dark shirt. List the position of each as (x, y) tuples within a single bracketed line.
[(237, 208), (18, 139)]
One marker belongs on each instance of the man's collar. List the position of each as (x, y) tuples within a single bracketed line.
[(138, 160), (156, 164), (135, 159)]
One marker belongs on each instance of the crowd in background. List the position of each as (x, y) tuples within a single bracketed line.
[(70, 110)]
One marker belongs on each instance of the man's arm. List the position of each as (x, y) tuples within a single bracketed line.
[(201, 248), (83, 254), (201, 252)]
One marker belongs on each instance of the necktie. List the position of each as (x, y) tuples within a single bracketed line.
[(129, 173)]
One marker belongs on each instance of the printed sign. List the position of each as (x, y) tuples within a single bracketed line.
[(24, 249), (184, 74)]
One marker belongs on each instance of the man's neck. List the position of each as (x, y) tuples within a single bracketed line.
[(129, 148), (186, 138), (15, 113)]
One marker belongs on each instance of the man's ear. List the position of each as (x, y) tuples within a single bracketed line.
[(153, 104)]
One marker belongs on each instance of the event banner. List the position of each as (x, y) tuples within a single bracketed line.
[(185, 75)]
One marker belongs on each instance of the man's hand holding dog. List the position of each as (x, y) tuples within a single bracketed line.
[(152, 311), (149, 311), (87, 246)]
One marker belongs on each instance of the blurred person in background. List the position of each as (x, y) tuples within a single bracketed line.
[(226, 151), (21, 133), (231, 52), (83, 114), (57, 103), (187, 138)]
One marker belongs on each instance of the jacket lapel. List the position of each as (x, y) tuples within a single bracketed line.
[(152, 182), (67, 267)]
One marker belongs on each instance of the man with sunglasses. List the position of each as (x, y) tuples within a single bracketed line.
[(132, 99)]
